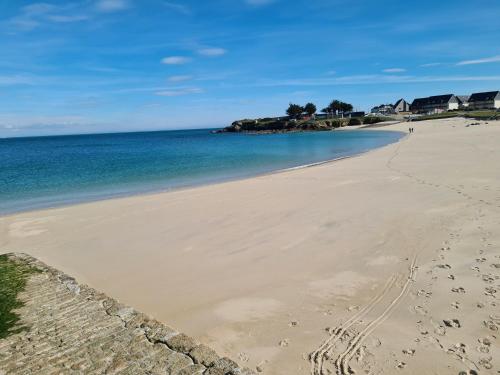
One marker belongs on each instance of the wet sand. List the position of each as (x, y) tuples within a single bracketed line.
[(388, 262)]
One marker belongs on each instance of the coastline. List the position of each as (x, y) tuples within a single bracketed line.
[(259, 268), (148, 192)]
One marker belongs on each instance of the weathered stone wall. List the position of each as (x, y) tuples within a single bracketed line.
[(74, 329)]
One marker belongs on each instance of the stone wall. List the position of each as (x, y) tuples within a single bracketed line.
[(74, 329)]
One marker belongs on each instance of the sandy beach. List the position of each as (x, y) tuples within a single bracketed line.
[(387, 262)]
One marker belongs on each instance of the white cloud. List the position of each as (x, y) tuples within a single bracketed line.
[(429, 65), (175, 60), (480, 61), (180, 78), (67, 19), (394, 70), (112, 5), (212, 52), (180, 91)]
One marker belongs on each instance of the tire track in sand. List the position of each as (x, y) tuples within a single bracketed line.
[(316, 358), (343, 360)]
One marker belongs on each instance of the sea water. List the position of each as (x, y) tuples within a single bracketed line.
[(40, 172)]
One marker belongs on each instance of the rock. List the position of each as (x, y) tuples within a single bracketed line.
[(226, 364), (192, 370), (157, 332), (204, 355), (214, 371), (175, 362), (181, 343)]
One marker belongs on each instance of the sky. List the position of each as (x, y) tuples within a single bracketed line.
[(91, 66)]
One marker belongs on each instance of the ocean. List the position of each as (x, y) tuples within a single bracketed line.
[(41, 172)]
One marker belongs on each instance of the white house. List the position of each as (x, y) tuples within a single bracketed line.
[(401, 106), (435, 104), (485, 100)]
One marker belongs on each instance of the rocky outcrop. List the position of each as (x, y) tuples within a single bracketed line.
[(74, 329)]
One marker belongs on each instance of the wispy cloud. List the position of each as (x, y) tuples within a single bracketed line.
[(67, 19), (112, 5), (180, 78), (180, 91), (480, 61), (212, 52), (180, 8), (35, 15), (17, 80), (368, 79), (175, 60), (394, 70), (429, 65)]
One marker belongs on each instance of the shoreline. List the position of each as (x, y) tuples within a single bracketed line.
[(268, 270), (181, 187)]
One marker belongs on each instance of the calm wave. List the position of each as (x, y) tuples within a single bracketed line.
[(43, 172)]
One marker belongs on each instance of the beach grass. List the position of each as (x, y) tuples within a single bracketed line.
[(477, 115), (483, 115), (13, 278)]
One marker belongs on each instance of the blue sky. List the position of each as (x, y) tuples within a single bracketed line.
[(121, 65)]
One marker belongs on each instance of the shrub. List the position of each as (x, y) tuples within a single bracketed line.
[(374, 119), (337, 123), (355, 121)]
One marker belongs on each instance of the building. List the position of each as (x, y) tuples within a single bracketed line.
[(463, 101), (383, 109), (355, 114), (401, 106), (435, 104), (485, 100)]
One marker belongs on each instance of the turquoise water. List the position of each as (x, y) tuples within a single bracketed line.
[(43, 172)]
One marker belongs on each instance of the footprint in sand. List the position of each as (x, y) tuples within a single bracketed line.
[(490, 291), (489, 278), (458, 290), (452, 323), (409, 352), (243, 357), (284, 343), (420, 310), (485, 362), (424, 293), (459, 348)]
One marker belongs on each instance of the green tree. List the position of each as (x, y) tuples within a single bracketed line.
[(310, 109), (337, 105), (294, 110), (346, 107)]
